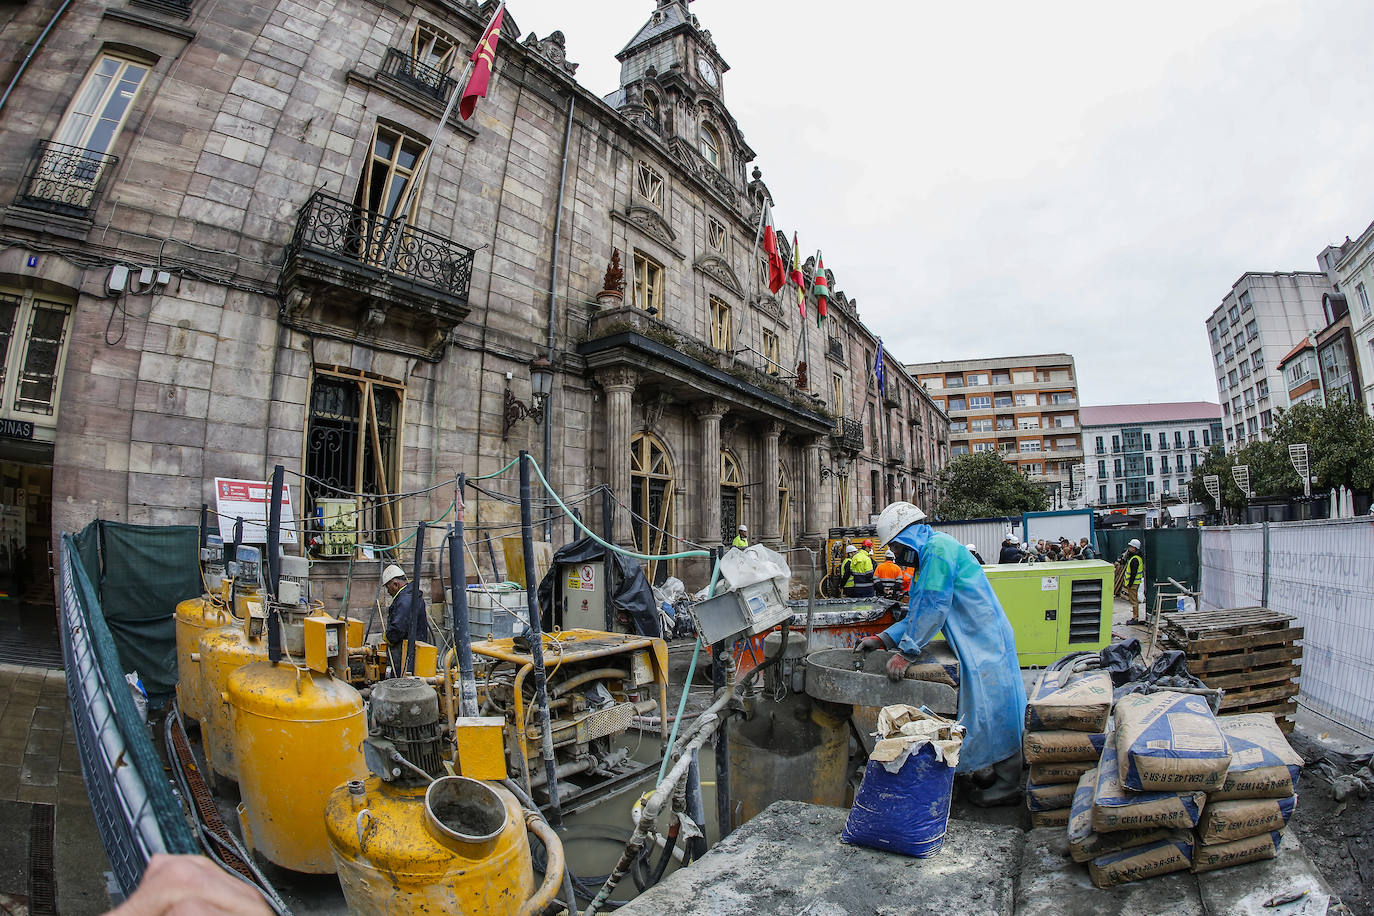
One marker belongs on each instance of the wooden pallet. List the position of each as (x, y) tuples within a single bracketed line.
[(1250, 653)]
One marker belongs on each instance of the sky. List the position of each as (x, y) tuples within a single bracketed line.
[(1007, 178)]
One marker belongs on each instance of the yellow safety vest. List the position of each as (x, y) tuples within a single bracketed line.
[(861, 564), (739, 542)]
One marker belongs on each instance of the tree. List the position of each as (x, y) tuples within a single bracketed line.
[(982, 485)]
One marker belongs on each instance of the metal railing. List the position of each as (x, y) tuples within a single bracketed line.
[(134, 809), (65, 179), (180, 8), (331, 226), (834, 348), (849, 433), (652, 123), (698, 166), (423, 78)]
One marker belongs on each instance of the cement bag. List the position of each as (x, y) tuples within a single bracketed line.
[(1263, 765), (1084, 842), (1224, 821), (1174, 853), (1059, 817), (1049, 796), (1237, 852), (1061, 746), (1080, 704), (1116, 808), (903, 802), (1169, 742), (1069, 771)]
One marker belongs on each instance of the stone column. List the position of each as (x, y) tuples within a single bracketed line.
[(811, 489), (771, 536), (619, 385), (710, 414)]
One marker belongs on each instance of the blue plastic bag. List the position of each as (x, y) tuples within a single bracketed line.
[(906, 811)]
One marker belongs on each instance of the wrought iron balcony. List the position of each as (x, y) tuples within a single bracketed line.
[(65, 179), (181, 8), (652, 123), (896, 452), (424, 79), (834, 348), (849, 434), (695, 163)]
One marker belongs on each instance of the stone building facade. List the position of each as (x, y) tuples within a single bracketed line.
[(214, 263)]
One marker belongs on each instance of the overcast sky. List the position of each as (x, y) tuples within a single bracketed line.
[(1005, 177)]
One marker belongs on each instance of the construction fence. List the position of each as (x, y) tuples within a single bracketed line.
[(1322, 573)]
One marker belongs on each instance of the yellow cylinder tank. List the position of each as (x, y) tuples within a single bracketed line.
[(194, 617), (456, 846), (222, 652), (297, 734)]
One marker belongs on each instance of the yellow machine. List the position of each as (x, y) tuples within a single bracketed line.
[(597, 683), (194, 618), (222, 652), (835, 543), (297, 734), (411, 840)]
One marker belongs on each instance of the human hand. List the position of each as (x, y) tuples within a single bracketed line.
[(896, 667), (868, 644), (190, 886)]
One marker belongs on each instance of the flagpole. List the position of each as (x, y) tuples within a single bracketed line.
[(418, 176)]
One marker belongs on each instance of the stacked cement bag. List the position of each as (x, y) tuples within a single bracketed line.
[(1245, 816), (1164, 755), (1066, 721)]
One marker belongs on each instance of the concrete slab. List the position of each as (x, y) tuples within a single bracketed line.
[(1246, 889), (789, 860), (1053, 884)]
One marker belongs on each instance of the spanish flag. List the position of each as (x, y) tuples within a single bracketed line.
[(797, 277), (777, 275), (483, 59)]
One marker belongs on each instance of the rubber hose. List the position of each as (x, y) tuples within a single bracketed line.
[(657, 874)]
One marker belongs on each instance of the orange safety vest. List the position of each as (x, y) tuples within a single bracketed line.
[(888, 570)]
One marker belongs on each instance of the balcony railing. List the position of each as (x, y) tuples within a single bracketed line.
[(180, 8), (65, 179), (652, 123), (335, 227), (896, 453), (698, 166), (849, 434), (834, 348), (422, 78)]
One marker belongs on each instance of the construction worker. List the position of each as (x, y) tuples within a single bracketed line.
[(857, 573), (407, 608), (741, 538), (887, 578), (1011, 550), (952, 596), (1134, 565), (976, 555)]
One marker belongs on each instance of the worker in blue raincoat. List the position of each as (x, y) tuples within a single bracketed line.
[(952, 595)]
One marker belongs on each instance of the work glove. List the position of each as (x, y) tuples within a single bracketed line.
[(868, 644), (896, 667)]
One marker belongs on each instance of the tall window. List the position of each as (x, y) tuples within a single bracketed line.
[(648, 284), (1101, 468), (33, 350), (784, 504), (650, 185), (1163, 464), (715, 234), (720, 324), (731, 484), (837, 394), (771, 350), (353, 446), (1363, 295), (1100, 449), (1148, 438), (387, 175), (1149, 464), (651, 498), (709, 144), (432, 49)]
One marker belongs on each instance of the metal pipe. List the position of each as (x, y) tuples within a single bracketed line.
[(32, 51), (462, 632), (274, 652), (595, 674), (541, 683), (554, 867), (553, 292), (408, 665), (723, 660), (563, 770)]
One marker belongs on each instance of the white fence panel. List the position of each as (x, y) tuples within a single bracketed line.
[(1322, 573), (984, 533)]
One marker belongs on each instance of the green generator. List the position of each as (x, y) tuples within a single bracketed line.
[(1055, 608)]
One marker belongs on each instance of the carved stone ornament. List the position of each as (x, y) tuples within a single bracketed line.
[(727, 430), (614, 281), (553, 49), (621, 377), (719, 269), (654, 408), (652, 222)]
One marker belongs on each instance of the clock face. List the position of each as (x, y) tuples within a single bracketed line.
[(708, 73)]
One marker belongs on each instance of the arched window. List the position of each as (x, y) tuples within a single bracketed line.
[(731, 484), (651, 103), (710, 145), (784, 510), (651, 500)]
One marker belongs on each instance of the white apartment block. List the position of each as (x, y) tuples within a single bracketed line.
[(1257, 324), (1353, 271), (1145, 454)]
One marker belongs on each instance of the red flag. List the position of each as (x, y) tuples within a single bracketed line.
[(483, 59), (776, 273)]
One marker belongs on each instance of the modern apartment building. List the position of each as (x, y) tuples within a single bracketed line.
[(1145, 454), (1025, 407), (1257, 324)]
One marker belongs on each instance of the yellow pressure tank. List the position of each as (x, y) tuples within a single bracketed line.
[(222, 652), (194, 617), (455, 846), (297, 734)]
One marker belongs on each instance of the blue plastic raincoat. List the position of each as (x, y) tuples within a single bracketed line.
[(952, 595)]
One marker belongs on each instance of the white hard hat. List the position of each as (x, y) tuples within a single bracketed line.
[(743, 528), (850, 548), (890, 555), (392, 572), (896, 518), (1133, 543), (1013, 539), (971, 548)]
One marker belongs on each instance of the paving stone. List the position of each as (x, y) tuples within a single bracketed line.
[(38, 770)]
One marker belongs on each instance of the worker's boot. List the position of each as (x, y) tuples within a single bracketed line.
[(1005, 788)]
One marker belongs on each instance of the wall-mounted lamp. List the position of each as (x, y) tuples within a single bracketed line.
[(541, 385), (840, 470)]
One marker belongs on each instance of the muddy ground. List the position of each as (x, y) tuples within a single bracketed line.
[(1338, 837)]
